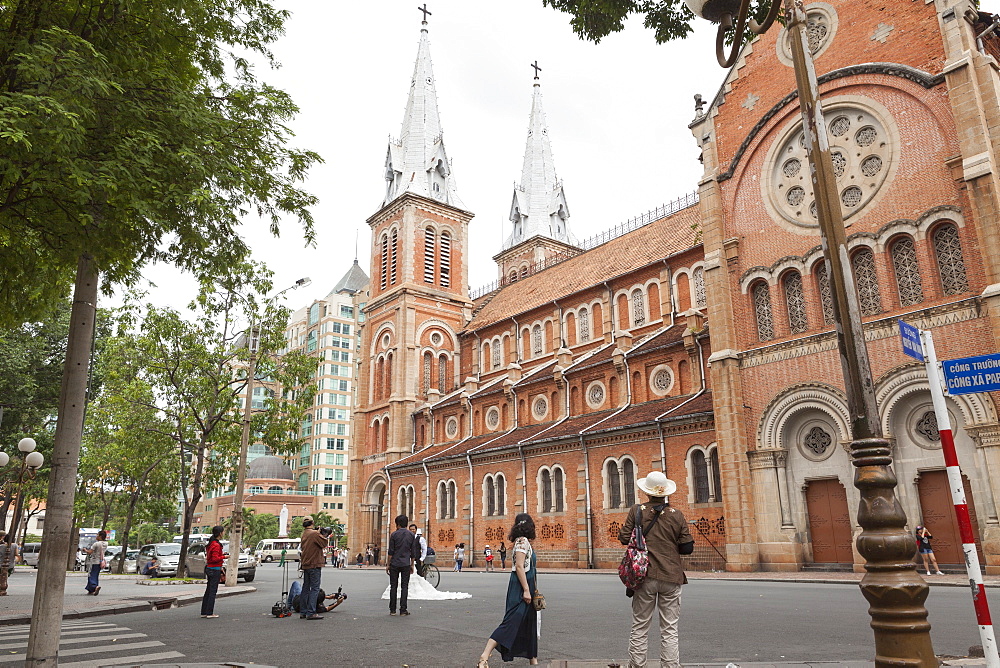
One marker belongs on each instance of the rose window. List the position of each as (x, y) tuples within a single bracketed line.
[(451, 427), (540, 408), (595, 395), (817, 441), (927, 427), (662, 380), (493, 418)]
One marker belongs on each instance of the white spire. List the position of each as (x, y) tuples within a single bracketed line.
[(539, 206), (417, 162)]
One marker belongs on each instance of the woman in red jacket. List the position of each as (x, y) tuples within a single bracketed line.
[(214, 559)]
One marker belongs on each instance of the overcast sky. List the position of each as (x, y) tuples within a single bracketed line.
[(617, 115)]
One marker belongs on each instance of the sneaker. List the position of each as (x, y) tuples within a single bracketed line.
[(392, 613), (939, 573), (209, 616), (313, 617), (404, 612), (97, 591)]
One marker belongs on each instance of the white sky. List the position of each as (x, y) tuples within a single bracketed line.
[(617, 114)]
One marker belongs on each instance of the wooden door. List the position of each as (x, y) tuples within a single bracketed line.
[(938, 511), (829, 522)]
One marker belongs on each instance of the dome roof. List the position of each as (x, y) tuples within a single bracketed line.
[(269, 467)]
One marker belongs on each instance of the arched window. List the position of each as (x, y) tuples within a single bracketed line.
[(429, 255), (427, 372), (513, 276), (313, 314), (904, 264), (445, 260), (491, 496), (377, 436), (536, 340), (762, 310), (698, 278), (443, 373), (622, 305), (825, 292), (452, 495), (395, 256), (256, 489), (557, 483), (501, 495), (487, 356), (546, 484), (951, 264), (496, 354), (638, 308), (628, 481), (442, 500), (524, 272), (274, 489), (795, 302), (867, 281), (584, 316), (683, 286), (385, 433), (384, 269), (699, 476), (713, 462), (614, 485)]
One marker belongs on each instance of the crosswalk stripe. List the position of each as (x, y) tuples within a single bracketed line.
[(24, 628), (73, 641), (121, 660), (89, 650), (24, 634)]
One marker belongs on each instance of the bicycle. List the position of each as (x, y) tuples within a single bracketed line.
[(430, 572)]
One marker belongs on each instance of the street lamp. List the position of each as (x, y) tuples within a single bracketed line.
[(892, 586), (29, 469), (236, 526)]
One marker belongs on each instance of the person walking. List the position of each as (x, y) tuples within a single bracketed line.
[(926, 551), (214, 558), (459, 556), (403, 551), (488, 558), (502, 551), (312, 545), (517, 633), (95, 562), (667, 538)]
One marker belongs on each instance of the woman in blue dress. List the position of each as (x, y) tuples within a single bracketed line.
[(516, 635)]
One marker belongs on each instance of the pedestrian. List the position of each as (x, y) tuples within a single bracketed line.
[(214, 558), (667, 538), (459, 556), (95, 562), (926, 551), (368, 554), (488, 557), (376, 550), (502, 551), (403, 551), (422, 542), (312, 545), (517, 633)]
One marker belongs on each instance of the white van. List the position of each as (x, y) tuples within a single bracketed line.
[(270, 549), (30, 554)]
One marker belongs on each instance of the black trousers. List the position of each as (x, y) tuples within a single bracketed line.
[(398, 575)]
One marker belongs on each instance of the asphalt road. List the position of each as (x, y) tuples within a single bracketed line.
[(587, 618)]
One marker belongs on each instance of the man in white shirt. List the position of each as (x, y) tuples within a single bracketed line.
[(418, 534)]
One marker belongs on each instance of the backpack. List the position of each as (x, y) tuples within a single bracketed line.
[(635, 563)]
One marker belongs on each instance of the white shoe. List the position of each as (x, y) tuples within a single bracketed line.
[(939, 573)]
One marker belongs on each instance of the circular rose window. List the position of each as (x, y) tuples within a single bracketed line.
[(595, 394), (436, 338), (661, 380), (451, 427), (861, 151), (540, 408), (492, 418)]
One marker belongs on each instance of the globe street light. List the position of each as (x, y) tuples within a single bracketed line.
[(892, 586), (29, 469)]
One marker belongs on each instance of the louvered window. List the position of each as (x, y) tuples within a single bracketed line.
[(951, 264), (614, 486), (395, 257), (443, 373), (867, 281), (445, 260), (700, 299), (699, 475), (428, 255), (904, 262), (762, 311), (628, 481), (584, 318), (638, 309), (427, 372), (795, 302), (385, 261), (825, 292), (496, 355)]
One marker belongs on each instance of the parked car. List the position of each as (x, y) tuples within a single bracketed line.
[(130, 559), (196, 562), (166, 553), (110, 553), (29, 555)]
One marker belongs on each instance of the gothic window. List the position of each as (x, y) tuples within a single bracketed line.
[(698, 278), (491, 496), (442, 501), (951, 265), (795, 302), (638, 308), (557, 483), (501, 495), (452, 495), (546, 491), (628, 482), (442, 373), (428, 255), (445, 260), (699, 476), (392, 266), (536, 340), (614, 485), (762, 310), (904, 262), (867, 281), (584, 319), (713, 461), (385, 261), (825, 292), (496, 355), (427, 372)]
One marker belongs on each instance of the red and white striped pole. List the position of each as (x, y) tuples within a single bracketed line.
[(961, 507)]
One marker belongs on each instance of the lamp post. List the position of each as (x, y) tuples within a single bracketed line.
[(892, 586), (29, 469), (236, 527)]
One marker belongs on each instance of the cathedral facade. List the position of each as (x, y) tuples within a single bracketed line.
[(699, 340)]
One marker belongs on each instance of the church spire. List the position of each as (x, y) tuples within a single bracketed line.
[(417, 161), (539, 205)]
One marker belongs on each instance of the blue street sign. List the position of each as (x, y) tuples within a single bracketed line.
[(972, 374), (911, 340)]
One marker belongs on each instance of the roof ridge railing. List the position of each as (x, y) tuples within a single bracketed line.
[(599, 239)]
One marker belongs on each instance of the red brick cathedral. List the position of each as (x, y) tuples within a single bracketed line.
[(697, 340)]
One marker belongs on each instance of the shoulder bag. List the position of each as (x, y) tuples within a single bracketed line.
[(635, 563), (537, 599)]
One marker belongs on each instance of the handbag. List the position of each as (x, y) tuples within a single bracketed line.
[(635, 563), (222, 576), (537, 599)]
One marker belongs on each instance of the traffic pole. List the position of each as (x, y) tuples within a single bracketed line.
[(976, 585)]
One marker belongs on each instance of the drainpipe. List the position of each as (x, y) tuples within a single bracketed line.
[(663, 448), (589, 511), (427, 499), (611, 311), (562, 325), (413, 425), (472, 512), (477, 358)]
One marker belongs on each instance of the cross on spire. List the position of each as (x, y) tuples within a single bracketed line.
[(426, 12), (537, 68)]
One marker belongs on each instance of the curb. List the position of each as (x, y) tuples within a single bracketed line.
[(162, 603)]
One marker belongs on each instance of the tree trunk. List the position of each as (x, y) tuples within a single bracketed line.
[(74, 545), (133, 500), (43, 641)]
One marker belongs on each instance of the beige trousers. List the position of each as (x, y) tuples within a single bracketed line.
[(666, 598)]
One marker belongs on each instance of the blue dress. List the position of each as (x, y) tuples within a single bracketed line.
[(517, 634)]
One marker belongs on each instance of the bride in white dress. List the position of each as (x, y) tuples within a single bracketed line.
[(421, 590)]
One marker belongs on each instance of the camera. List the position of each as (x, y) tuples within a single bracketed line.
[(326, 532), (341, 596)]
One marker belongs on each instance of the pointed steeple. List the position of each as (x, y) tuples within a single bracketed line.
[(353, 281), (539, 205), (417, 161)]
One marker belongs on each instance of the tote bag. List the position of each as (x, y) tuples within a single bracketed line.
[(632, 569)]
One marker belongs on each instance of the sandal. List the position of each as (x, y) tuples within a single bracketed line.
[(483, 663)]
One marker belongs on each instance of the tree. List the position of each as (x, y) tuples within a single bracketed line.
[(256, 527), (129, 132), (151, 533)]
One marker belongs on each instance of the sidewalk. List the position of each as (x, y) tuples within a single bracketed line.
[(119, 593)]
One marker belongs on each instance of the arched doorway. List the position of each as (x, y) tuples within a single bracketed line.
[(829, 522), (938, 513), (373, 509)]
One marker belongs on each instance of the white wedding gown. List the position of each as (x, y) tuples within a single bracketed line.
[(421, 590)]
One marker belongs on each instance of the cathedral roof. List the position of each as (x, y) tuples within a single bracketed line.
[(645, 245), (648, 412), (353, 281)]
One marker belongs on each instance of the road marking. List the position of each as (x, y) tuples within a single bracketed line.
[(24, 634), (72, 641), (118, 661), (89, 650)]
